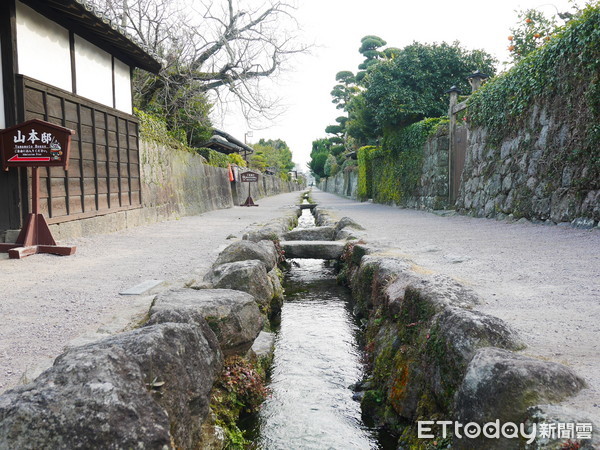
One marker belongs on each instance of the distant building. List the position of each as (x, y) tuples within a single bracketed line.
[(63, 63), (225, 143)]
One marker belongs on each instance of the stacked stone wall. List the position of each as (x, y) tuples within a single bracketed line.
[(534, 174), (174, 183)]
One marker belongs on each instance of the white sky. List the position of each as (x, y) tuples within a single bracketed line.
[(336, 27)]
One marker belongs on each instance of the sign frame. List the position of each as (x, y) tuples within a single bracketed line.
[(249, 177), (52, 151), (35, 143)]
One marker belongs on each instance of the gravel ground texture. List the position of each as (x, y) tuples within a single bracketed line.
[(543, 280), (47, 301)]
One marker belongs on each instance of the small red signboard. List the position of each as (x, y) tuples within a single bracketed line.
[(35, 143)]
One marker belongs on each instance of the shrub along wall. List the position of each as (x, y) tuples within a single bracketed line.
[(534, 148), (409, 169)]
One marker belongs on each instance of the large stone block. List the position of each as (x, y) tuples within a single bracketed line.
[(501, 385), (233, 316), (325, 233), (313, 249), (187, 359), (244, 250), (345, 222), (147, 388), (278, 292), (440, 335), (96, 399), (248, 276)]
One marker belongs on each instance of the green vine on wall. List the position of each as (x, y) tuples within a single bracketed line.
[(213, 157), (563, 78), (392, 173), (365, 172), (154, 129), (569, 61)]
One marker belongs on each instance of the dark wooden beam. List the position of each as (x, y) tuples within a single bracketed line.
[(13, 184), (8, 37), (73, 67)]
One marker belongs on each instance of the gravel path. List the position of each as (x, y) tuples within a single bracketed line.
[(543, 280), (46, 301)]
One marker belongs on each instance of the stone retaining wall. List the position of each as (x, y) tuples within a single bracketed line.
[(174, 183), (151, 387), (538, 173), (343, 183), (266, 186), (433, 356), (433, 193)]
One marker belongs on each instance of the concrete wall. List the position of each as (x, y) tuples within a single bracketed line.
[(343, 183)]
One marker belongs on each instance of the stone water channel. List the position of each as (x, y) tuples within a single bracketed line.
[(317, 358)]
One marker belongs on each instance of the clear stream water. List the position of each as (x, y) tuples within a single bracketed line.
[(317, 358)]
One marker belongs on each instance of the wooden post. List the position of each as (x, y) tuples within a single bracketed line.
[(476, 80), (35, 236), (453, 91)]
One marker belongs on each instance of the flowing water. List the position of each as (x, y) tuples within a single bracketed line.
[(316, 359)]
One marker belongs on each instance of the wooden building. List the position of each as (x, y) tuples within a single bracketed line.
[(225, 143), (63, 63)]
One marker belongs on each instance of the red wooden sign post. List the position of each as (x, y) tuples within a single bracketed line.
[(35, 144)]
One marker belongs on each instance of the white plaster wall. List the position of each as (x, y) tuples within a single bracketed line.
[(123, 87), (93, 67), (2, 113), (43, 48)]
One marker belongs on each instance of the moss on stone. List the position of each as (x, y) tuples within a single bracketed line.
[(372, 403)]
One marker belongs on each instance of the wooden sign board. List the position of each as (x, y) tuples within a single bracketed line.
[(250, 177), (35, 143)]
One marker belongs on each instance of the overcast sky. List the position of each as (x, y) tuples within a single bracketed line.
[(336, 27)]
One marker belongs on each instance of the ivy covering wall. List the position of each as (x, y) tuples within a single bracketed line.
[(567, 67), (391, 173), (534, 148)]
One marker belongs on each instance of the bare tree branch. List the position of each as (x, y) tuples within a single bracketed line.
[(220, 48)]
